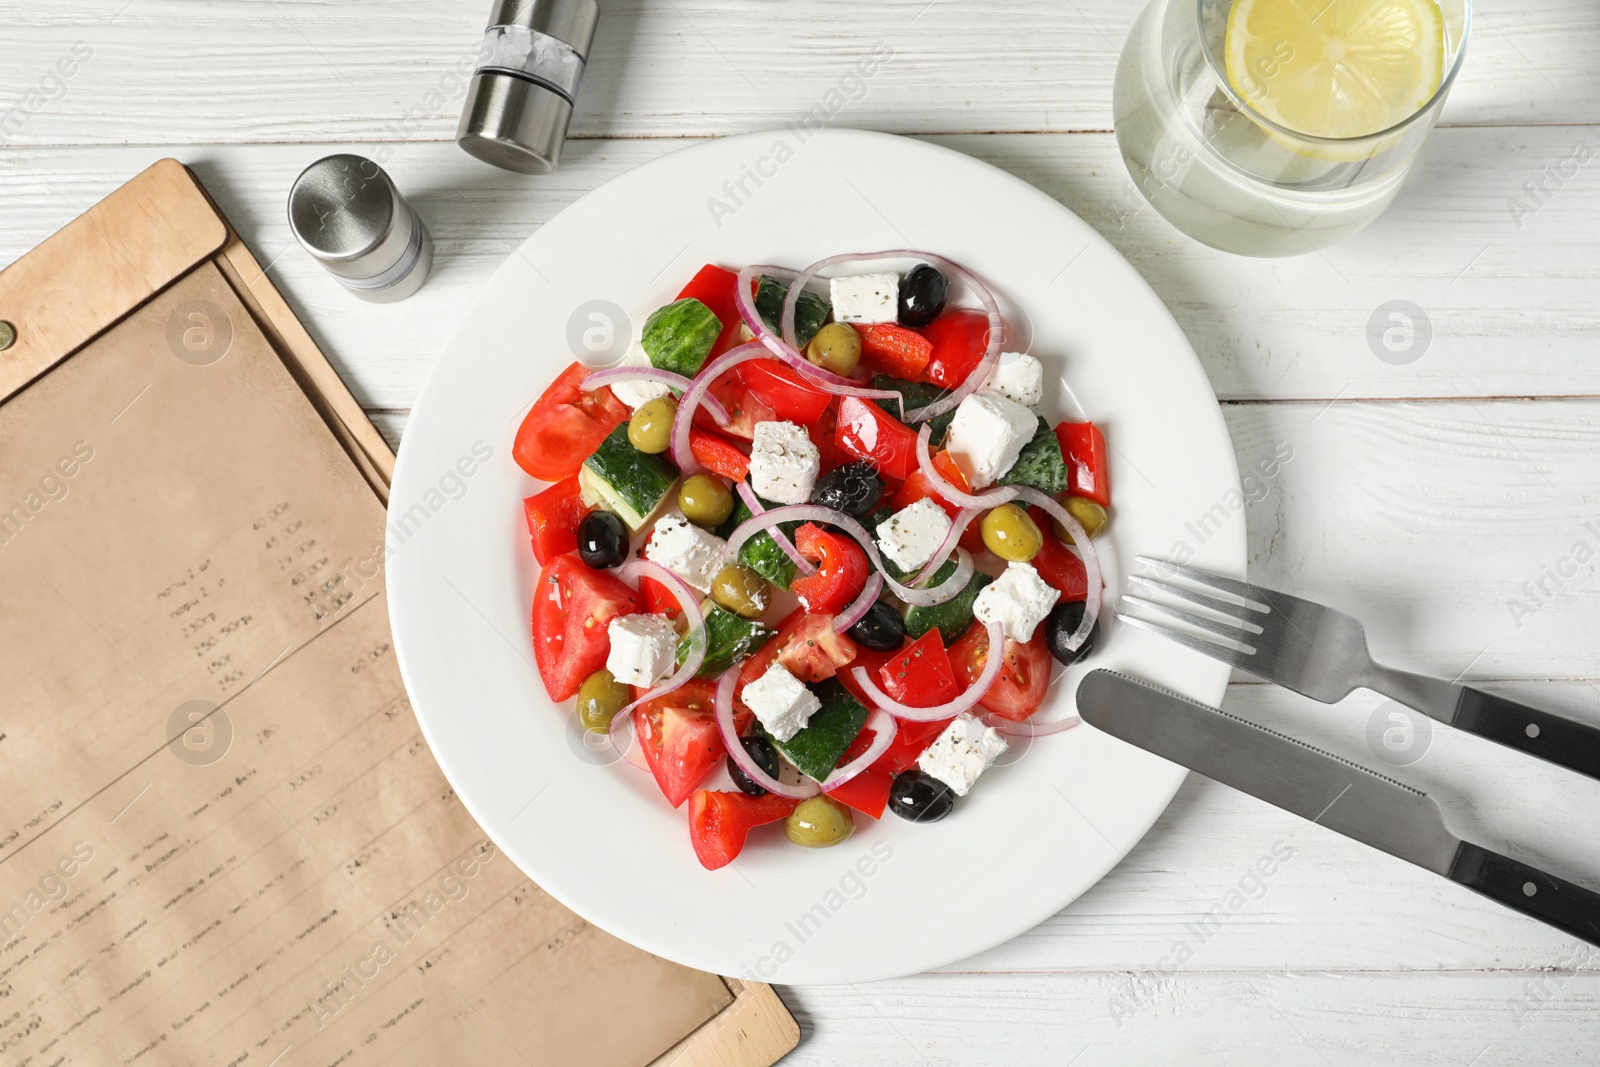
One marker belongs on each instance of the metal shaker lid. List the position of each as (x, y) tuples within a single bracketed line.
[(346, 212), (526, 81)]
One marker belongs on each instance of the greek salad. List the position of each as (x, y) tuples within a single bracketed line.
[(813, 528)]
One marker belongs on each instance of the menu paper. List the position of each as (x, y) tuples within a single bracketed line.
[(223, 839)]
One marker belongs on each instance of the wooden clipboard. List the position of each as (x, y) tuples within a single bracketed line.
[(149, 267)]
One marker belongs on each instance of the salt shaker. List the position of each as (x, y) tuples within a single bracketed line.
[(526, 81), (348, 214)]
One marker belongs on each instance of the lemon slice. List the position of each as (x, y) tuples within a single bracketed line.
[(1335, 68)]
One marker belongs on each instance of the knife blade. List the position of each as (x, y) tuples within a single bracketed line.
[(1328, 790)]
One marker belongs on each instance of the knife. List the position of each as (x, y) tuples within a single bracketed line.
[(1333, 792)]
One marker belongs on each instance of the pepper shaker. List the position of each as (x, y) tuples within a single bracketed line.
[(526, 81), (348, 214)]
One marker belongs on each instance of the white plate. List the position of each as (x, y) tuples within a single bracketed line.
[(895, 898)]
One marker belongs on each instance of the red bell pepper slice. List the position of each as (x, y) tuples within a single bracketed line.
[(718, 454), (782, 389), (921, 675), (897, 351), (714, 287), (1057, 564), (868, 432), (959, 338), (842, 570), (920, 487), (719, 822), (1088, 464), (553, 518), (868, 791)]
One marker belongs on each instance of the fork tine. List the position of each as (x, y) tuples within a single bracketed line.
[(1216, 581), (1199, 644), (1224, 607), (1229, 629)]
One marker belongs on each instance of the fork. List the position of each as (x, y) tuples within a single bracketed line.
[(1322, 654)]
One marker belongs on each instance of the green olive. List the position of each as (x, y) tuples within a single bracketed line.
[(705, 501), (1089, 514), (650, 429), (1010, 533), (599, 698), (819, 822), (741, 590), (836, 347)]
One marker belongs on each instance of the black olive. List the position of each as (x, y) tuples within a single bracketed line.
[(919, 797), (602, 540), (1062, 624), (765, 756), (922, 293), (854, 489), (880, 629)]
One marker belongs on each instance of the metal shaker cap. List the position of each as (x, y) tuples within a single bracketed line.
[(347, 213), (526, 81)]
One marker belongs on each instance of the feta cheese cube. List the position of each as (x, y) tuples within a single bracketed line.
[(693, 554), (644, 649), (965, 750), (1018, 600), (987, 435), (911, 535), (783, 463), (865, 297), (637, 394), (1020, 377), (780, 702)]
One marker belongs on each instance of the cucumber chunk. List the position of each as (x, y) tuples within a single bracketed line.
[(952, 617), (917, 395), (623, 480), (761, 553), (680, 336), (816, 749), (1040, 464), (729, 639), (810, 311)]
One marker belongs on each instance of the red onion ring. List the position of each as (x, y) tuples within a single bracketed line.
[(1086, 552), (723, 709), (814, 513), (791, 354), (660, 377), (643, 568), (965, 702), (697, 394), (997, 323), (860, 606), (751, 501), (884, 729), (1012, 728)]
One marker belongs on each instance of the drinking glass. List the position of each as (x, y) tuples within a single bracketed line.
[(1226, 174)]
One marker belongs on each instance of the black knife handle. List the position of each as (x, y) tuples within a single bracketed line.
[(1562, 904), (1538, 733)]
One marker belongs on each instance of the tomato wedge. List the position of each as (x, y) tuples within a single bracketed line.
[(868, 432), (565, 425), (1088, 462), (781, 388), (679, 735), (806, 645), (714, 287), (960, 337), (842, 570), (719, 822), (572, 607), (1024, 677)]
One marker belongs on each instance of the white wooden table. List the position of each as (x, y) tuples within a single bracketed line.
[(1430, 498)]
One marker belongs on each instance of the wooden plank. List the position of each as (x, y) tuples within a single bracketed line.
[(1511, 309), (754, 1031), (367, 71), (1297, 1018)]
